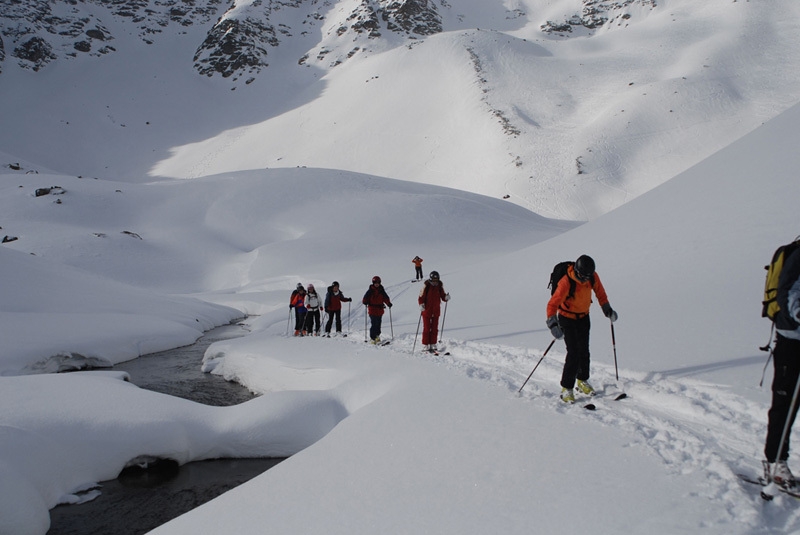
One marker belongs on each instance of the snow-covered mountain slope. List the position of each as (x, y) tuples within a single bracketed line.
[(570, 108), (386, 437)]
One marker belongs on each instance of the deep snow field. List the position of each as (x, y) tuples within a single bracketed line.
[(149, 240)]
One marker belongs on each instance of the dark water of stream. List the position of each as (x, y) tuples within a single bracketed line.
[(137, 502)]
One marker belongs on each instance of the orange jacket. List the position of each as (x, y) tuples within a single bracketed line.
[(417, 261), (578, 305)]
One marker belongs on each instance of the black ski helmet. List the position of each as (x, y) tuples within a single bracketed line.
[(376, 280), (335, 283), (434, 275), (584, 267)]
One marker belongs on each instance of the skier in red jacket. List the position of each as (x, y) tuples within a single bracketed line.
[(376, 299), (430, 300)]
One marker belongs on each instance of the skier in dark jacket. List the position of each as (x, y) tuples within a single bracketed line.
[(786, 361), (430, 300), (376, 299), (333, 304)]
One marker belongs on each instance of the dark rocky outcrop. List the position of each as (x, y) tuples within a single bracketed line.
[(595, 14)]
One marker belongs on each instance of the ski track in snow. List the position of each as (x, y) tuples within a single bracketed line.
[(674, 418)]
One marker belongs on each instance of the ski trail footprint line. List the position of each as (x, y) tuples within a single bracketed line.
[(692, 427)]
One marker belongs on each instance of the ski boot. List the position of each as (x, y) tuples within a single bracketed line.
[(779, 473), (585, 388), (567, 396)]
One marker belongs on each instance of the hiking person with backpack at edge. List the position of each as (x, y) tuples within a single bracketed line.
[(376, 299), (568, 318), (430, 300), (782, 306), (333, 304)]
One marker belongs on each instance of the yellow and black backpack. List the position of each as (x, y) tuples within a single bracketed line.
[(770, 304)]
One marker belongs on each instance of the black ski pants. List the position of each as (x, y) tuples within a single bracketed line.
[(576, 337), (375, 326), (312, 321), (418, 270), (786, 361), (331, 315)]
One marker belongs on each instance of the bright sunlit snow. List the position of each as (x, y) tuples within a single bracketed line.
[(351, 172)]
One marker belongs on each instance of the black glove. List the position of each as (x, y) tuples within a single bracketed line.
[(291, 307), (555, 329), (389, 305), (609, 312)]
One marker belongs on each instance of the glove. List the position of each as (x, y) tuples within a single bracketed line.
[(447, 297), (555, 329), (422, 308), (389, 305), (321, 309), (291, 307), (610, 313)]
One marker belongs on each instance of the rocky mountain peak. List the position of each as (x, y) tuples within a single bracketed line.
[(240, 35), (239, 39)]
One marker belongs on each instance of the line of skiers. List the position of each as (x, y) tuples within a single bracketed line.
[(567, 314), (308, 307)]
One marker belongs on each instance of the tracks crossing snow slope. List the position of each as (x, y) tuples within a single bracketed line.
[(693, 427)]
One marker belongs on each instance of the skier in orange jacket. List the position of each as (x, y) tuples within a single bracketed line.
[(568, 318), (417, 261)]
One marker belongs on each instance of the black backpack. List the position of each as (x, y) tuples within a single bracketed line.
[(559, 272)]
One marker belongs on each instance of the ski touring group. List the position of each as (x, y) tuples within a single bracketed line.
[(308, 308), (573, 285)]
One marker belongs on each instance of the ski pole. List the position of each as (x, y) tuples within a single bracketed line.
[(365, 324), (623, 395), (444, 315), (288, 321), (614, 347), (348, 315), (537, 365), (416, 335), (391, 325)]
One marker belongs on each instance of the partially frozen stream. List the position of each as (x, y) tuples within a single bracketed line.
[(136, 503)]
